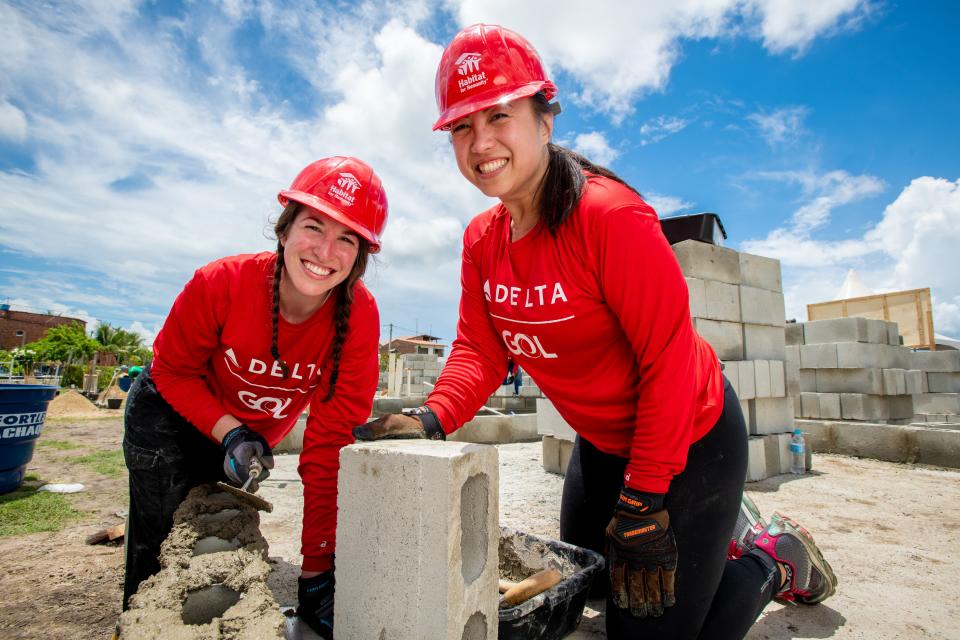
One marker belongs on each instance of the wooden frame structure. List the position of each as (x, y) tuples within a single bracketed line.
[(912, 310)]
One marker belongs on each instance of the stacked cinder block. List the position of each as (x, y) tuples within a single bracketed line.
[(418, 530), (558, 437), (854, 369), (213, 578), (423, 369), (525, 402), (736, 302), (939, 401)]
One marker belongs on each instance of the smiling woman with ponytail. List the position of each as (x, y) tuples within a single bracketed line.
[(249, 343)]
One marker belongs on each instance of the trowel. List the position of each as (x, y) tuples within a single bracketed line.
[(256, 468)]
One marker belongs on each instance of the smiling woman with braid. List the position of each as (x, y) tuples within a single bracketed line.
[(249, 343)]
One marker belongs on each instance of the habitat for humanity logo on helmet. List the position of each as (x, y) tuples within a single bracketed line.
[(345, 188), (468, 66)]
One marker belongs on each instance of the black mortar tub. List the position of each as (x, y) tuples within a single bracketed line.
[(556, 612)]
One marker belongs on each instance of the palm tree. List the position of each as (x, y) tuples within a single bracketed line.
[(119, 341)]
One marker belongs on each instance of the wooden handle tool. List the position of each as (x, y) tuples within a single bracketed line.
[(526, 589)]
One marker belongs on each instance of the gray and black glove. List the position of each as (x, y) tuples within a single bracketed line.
[(243, 447), (315, 597), (421, 422), (641, 554)]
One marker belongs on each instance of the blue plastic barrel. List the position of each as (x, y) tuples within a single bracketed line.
[(23, 408)]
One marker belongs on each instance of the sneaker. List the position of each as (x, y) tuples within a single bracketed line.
[(749, 525), (809, 577)]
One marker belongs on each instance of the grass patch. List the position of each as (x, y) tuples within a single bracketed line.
[(59, 445), (106, 463), (27, 511)]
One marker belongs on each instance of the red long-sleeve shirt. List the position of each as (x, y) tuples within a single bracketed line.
[(598, 315), (212, 358)]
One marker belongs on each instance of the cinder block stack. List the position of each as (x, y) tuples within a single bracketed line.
[(558, 437), (423, 369), (736, 302), (526, 402), (939, 400), (854, 369)]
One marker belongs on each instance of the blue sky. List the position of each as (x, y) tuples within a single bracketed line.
[(140, 140)]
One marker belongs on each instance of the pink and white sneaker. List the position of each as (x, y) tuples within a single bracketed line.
[(810, 579), (749, 525)]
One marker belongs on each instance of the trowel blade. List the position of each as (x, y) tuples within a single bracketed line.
[(250, 498)]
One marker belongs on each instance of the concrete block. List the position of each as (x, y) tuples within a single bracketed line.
[(868, 381), (808, 379), (898, 357), (835, 330), (759, 306), (941, 382), (778, 381), (761, 342), (894, 382), (771, 450), (551, 454), (723, 301), (792, 374), (437, 542), (530, 392), (797, 408), (520, 427), (936, 403), (818, 356), (937, 446), (756, 459), (771, 415), (707, 261), (726, 338), (760, 272), (916, 381), (858, 355), (566, 449), (893, 334), (810, 405), (830, 406), (731, 369), (942, 361), (698, 297), (792, 353), (748, 380), (762, 377), (900, 407), (877, 332), (551, 423), (745, 410), (794, 333), (861, 406), (783, 440)]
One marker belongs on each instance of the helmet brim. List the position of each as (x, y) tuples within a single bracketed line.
[(491, 98), (329, 209)]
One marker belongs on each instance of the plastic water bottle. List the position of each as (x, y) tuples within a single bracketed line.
[(798, 458)]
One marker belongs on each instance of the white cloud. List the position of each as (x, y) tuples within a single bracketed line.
[(913, 245), (642, 40), (659, 128), (666, 205), (594, 146), (13, 124), (781, 126)]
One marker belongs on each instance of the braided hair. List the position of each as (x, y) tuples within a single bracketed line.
[(343, 293), (562, 186)]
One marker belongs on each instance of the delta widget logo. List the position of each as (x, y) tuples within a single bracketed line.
[(345, 189), (468, 66)]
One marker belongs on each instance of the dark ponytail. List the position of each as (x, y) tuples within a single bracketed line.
[(562, 185)]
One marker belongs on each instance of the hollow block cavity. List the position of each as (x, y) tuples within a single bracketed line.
[(213, 580), (417, 524)]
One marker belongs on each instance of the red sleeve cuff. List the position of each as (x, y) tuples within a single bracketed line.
[(317, 563)]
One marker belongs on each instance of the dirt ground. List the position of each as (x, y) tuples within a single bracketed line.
[(890, 531)]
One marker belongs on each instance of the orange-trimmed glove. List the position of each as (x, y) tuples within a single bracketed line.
[(641, 554)]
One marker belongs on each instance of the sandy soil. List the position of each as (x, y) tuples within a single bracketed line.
[(890, 531)]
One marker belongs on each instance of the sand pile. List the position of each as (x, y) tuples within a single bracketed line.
[(70, 403)]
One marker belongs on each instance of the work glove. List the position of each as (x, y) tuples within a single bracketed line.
[(242, 447), (641, 554), (421, 422), (315, 596)]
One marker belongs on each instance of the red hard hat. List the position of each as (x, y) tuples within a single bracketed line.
[(483, 65), (347, 190)]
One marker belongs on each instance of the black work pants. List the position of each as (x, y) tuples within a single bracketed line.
[(716, 598), (166, 456)]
